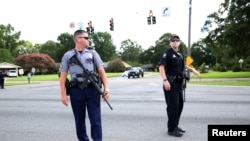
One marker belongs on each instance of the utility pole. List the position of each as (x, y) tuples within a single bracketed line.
[(189, 28), (189, 35)]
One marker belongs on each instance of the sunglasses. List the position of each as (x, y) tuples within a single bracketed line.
[(86, 38), (175, 40)]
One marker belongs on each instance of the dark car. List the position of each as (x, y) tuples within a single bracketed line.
[(135, 72)]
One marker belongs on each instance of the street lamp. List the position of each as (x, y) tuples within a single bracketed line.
[(241, 61)]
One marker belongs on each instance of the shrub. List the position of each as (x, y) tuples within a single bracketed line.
[(236, 68), (216, 67), (42, 62), (115, 65), (202, 68)]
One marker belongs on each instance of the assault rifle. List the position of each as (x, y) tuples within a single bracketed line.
[(184, 83), (92, 78)]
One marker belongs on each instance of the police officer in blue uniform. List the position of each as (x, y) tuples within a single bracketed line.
[(83, 98), (171, 70)]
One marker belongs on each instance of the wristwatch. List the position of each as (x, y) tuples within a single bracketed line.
[(165, 80)]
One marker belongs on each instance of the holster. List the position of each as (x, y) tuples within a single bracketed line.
[(67, 86)]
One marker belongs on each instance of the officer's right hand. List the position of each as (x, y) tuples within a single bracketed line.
[(64, 98), (166, 85), (106, 94)]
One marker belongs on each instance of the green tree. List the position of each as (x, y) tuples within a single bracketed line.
[(65, 44), (154, 53), (50, 48), (24, 47), (160, 46), (9, 39), (103, 44), (202, 54), (130, 51), (5, 55), (36, 48), (231, 36), (146, 56)]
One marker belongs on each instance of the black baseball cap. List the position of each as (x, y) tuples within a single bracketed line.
[(174, 36)]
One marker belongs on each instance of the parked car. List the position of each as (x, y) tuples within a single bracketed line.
[(136, 72), (125, 73), (12, 73)]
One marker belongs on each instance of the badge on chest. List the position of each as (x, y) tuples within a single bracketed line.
[(89, 58)]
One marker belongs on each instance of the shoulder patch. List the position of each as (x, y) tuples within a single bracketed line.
[(164, 55)]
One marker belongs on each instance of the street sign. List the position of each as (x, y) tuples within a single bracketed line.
[(189, 60), (72, 25), (80, 25), (33, 70), (166, 11)]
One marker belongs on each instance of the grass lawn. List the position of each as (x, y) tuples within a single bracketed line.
[(233, 82), (228, 74), (35, 79), (222, 82)]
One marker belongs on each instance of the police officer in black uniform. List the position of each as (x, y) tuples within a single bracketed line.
[(171, 69), (1, 80), (83, 97)]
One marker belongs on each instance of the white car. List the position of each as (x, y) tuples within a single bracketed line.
[(12, 73), (125, 73)]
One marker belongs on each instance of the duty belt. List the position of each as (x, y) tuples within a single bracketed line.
[(175, 78), (82, 85)]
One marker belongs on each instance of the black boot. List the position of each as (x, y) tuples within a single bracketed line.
[(175, 133)]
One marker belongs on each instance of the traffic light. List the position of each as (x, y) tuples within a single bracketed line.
[(92, 30), (154, 20), (149, 20), (111, 23), (88, 30)]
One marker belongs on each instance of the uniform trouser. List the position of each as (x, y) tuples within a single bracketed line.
[(1, 83), (174, 101), (82, 99)]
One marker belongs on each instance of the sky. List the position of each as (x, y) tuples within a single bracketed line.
[(43, 20)]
